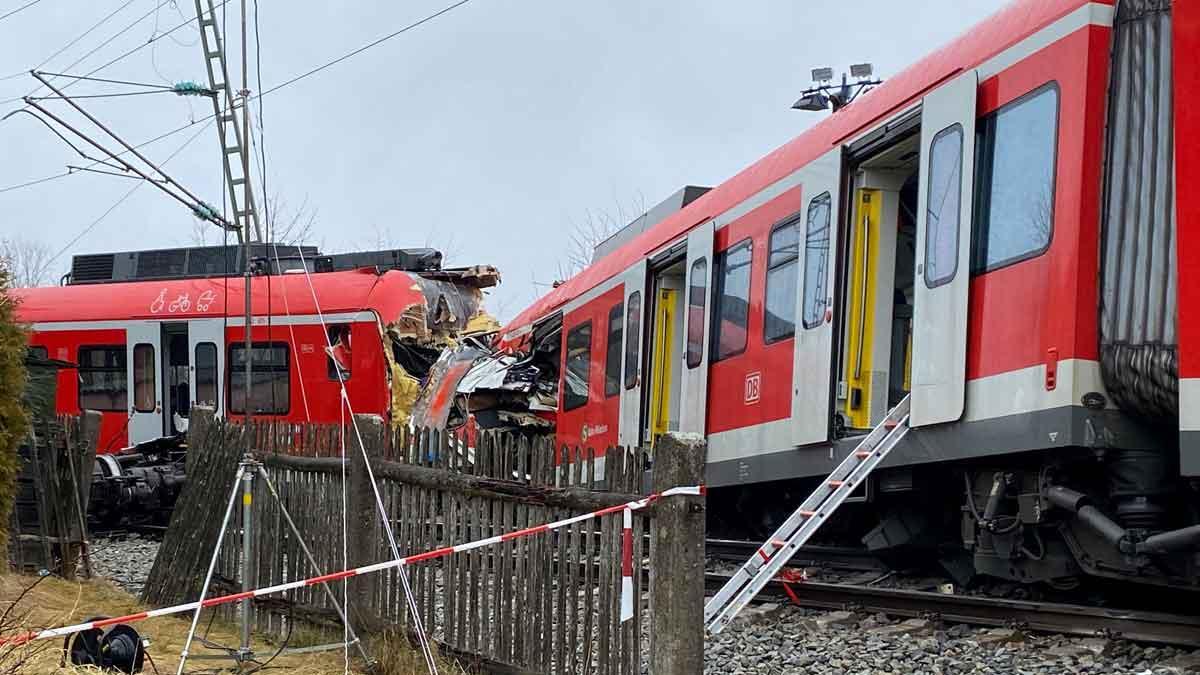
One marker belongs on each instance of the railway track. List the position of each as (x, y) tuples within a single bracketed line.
[(1078, 620), (837, 557)]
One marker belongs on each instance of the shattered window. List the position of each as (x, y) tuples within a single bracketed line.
[(633, 338), (697, 298), (612, 355), (103, 379), (732, 299), (269, 383), (578, 366), (337, 352), (943, 206)]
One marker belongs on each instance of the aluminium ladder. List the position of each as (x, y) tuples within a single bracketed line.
[(799, 527), (234, 144)]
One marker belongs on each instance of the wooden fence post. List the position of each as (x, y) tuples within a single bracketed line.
[(677, 559), (364, 529), (215, 449)]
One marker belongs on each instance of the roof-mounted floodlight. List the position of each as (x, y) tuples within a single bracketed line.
[(815, 101), (824, 94)]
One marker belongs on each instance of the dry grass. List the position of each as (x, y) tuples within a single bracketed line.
[(56, 602)]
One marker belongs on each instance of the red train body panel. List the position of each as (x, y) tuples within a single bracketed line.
[(356, 306)]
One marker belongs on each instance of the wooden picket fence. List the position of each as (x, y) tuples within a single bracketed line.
[(48, 522), (542, 604)]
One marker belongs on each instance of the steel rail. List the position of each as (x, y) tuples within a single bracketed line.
[(1079, 620)]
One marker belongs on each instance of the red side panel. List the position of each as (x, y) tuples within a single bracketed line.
[(1053, 295), (595, 423), (754, 386)]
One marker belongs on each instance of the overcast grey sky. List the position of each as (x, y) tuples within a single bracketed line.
[(489, 132)]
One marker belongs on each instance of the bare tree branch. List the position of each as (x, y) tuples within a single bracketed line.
[(28, 261)]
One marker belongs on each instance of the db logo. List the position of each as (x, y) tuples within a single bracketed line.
[(753, 387)]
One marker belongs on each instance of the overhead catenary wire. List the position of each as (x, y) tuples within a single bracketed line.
[(119, 58), (95, 49), (23, 7), (70, 44), (91, 226), (273, 89)]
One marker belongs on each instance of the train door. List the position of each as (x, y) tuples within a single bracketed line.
[(206, 340), (144, 372), (176, 382), (630, 425), (811, 364), (693, 392), (665, 340), (879, 252), (943, 250)]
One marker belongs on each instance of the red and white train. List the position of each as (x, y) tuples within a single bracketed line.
[(154, 332), (994, 231)]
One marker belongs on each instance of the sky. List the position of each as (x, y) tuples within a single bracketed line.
[(493, 132)]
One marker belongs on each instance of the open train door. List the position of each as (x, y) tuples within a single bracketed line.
[(144, 376), (943, 259), (693, 390), (812, 364), (629, 433)]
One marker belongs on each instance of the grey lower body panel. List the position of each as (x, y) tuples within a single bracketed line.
[(1189, 453), (1065, 427)]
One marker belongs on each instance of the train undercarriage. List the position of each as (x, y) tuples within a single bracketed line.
[(1056, 520)]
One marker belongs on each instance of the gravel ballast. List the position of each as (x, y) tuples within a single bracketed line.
[(775, 639), (124, 559)]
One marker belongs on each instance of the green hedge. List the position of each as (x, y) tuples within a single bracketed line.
[(13, 422)]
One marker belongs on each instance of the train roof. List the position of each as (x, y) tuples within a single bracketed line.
[(387, 294), (986, 39)]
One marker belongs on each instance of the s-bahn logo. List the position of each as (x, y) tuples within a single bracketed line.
[(753, 387), (588, 431)]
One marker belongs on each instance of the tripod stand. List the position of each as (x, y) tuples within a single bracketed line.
[(243, 482)]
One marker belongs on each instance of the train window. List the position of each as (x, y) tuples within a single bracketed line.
[(269, 388), (783, 252), (697, 300), (731, 300), (38, 352), (337, 352), (816, 260), (103, 379), (943, 206), (612, 355), (633, 338), (1014, 208), (578, 366), (144, 387), (206, 374)]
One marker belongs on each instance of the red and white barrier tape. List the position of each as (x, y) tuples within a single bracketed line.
[(627, 508)]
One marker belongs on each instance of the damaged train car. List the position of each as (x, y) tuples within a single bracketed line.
[(152, 333)]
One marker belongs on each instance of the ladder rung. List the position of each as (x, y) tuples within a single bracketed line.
[(863, 454), (215, 54), (890, 424), (233, 150), (835, 484), (207, 22), (237, 181), (808, 514)]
